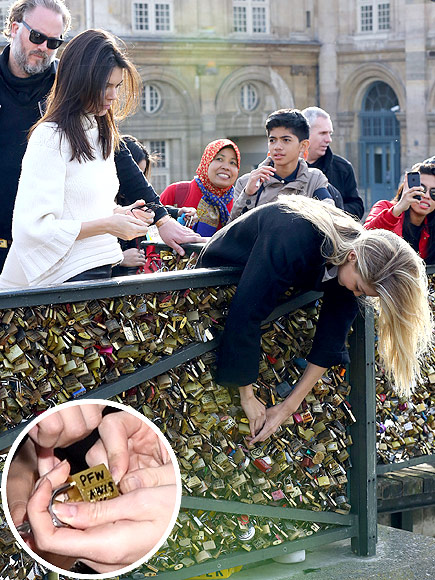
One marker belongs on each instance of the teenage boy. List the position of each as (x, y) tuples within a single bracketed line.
[(284, 171)]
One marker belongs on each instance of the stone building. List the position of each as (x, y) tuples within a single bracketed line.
[(217, 69)]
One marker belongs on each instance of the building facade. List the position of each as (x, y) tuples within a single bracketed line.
[(214, 70)]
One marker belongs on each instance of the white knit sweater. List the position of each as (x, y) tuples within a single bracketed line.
[(55, 195)]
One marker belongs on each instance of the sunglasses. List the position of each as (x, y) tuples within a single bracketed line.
[(38, 38), (431, 191)]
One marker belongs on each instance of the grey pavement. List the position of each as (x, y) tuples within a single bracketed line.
[(400, 556)]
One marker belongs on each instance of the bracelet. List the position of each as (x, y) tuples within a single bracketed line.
[(162, 220)]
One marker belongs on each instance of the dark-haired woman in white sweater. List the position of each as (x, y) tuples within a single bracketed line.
[(66, 223)]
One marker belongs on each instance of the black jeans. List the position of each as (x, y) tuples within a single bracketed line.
[(101, 272)]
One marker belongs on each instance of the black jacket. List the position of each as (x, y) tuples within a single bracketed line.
[(341, 175), (277, 249), (22, 103)]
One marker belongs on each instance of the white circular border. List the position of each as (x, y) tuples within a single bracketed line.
[(11, 454)]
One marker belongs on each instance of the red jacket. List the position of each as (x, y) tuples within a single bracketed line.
[(381, 217), (192, 199)]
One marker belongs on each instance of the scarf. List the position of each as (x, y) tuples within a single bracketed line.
[(212, 208)]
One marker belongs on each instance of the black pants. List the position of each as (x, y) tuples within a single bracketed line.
[(3, 254), (101, 272)]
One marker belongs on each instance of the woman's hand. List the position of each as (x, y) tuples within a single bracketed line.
[(61, 429), (189, 212), (255, 410), (139, 209), (275, 416), (407, 198), (128, 444), (126, 226), (133, 257), (121, 225), (257, 177), (105, 535), (22, 488)]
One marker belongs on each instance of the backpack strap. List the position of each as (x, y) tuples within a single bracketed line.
[(182, 189)]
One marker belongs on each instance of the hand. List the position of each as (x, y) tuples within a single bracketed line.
[(255, 410), (62, 428), (139, 209), (133, 257), (127, 445), (173, 234), (106, 535), (189, 212), (127, 226), (407, 198), (20, 487), (22, 476), (275, 416), (257, 177)]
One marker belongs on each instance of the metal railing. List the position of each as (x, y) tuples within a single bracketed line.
[(359, 525)]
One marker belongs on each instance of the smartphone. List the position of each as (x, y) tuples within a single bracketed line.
[(413, 179), (142, 206)]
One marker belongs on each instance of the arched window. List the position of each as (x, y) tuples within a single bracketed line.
[(379, 106), (151, 99), (380, 97), (248, 97)]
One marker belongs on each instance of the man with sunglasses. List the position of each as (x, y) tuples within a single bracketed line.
[(35, 30), (411, 214)]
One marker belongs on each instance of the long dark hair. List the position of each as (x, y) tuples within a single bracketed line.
[(425, 169), (84, 69)]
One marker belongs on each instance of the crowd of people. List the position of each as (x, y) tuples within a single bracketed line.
[(73, 187)]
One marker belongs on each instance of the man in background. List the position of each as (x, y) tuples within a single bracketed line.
[(338, 170)]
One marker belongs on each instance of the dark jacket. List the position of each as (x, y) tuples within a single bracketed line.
[(277, 249), (22, 103), (341, 175)]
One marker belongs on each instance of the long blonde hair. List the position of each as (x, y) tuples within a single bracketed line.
[(396, 273)]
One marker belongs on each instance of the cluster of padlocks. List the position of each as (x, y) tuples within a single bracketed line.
[(302, 466), (50, 354)]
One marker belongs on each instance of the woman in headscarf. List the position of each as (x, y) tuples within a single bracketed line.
[(211, 190)]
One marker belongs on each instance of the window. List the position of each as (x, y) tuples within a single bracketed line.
[(248, 97), (251, 16), (152, 16), (384, 16), (374, 16), (160, 172), (151, 99)]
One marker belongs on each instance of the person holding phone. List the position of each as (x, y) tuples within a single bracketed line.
[(284, 171), (410, 214), (66, 223)]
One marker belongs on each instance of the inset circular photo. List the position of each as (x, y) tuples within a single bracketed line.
[(91, 489)]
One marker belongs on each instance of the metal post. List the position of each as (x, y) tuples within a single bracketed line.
[(363, 451)]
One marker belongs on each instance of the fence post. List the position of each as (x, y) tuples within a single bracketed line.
[(363, 451)]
